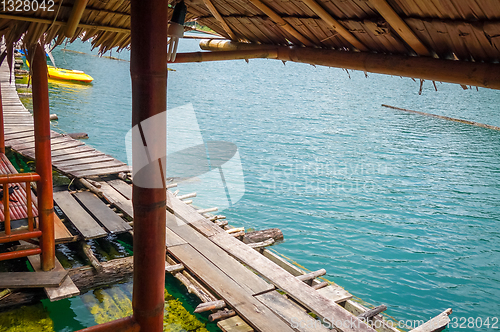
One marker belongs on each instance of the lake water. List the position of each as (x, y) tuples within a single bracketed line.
[(400, 209)]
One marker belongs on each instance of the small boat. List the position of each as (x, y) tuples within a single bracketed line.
[(69, 75)]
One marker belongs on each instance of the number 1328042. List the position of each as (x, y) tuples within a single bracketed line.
[(27, 5)]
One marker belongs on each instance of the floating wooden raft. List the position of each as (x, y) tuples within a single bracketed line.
[(69, 156)]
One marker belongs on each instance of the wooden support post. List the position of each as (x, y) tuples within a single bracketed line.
[(325, 16), (369, 314), (43, 160), (148, 68), (75, 17), (220, 19), (2, 128), (400, 26), (221, 315), (280, 22), (311, 275), (90, 255)]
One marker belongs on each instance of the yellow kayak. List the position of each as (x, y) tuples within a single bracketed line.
[(67, 74)]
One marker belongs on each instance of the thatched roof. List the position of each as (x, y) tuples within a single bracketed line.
[(462, 29)]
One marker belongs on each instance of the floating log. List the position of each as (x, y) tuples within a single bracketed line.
[(90, 255), (472, 123), (172, 185), (53, 117), (78, 135), (235, 230), (261, 236), (238, 234), (214, 305), (221, 315), (190, 195), (217, 217), (312, 275), (369, 314), (212, 209)]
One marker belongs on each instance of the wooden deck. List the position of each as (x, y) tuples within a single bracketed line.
[(69, 156)]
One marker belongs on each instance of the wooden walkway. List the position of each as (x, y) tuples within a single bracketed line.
[(69, 156)]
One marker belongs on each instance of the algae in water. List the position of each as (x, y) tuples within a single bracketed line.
[(26, 319)]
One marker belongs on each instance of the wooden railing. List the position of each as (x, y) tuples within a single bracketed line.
[(17, 235)]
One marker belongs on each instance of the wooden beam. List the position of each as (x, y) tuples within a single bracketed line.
[(400, 26), (228, 55), (280, 21), (219, 18), (46, 21), (325, 16)]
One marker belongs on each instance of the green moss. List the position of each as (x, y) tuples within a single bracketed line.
[(25, 319), (177, 318)]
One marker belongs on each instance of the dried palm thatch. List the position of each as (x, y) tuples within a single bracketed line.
[(467, 30)]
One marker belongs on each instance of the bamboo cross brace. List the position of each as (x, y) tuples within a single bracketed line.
[(219, 18)]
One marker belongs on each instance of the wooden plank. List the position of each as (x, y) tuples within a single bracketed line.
[(102, 171), (62, 235), (234, 324), (82, 161), (173, 239), (299, 291), (335, 293), (89, 166), (76, 156), (32, 279), (67, 288), (231, 267), (189, 215), (436, 324), (122, 187), (83, 222), (255, 313), (291, 313), (109, 219), (382, 325), (114, 197)]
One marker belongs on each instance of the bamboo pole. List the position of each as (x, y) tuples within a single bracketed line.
[(280, 21), (400, 26), (2, 128), (325, 16), (486, 75), (46, 21), (219, 18), (75, 17)]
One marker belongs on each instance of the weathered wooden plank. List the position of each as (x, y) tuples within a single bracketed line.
[(335, 293), (76, 156), (299, 291), (83, 222), (67, 288), (109, 219), (173, 239), (291, 313), (32, 279), (102, 171), (61, 233), (234, 324), (189, 215), (257, 314), (381, 325), (122, 187), (436, 324), (82, 161), (114, 197), (239, 273), (88, 166)]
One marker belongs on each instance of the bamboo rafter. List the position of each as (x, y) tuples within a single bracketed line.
[(219, 18), (280, 21), (390, 15), (325, 16)]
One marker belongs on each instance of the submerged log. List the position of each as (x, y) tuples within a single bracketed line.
[(261, 236), (90, 255), (221, 315), (78, 135), (369, 314)]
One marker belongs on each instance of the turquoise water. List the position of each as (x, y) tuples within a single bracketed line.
[(399, 208)]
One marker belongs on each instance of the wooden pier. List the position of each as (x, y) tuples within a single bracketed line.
[(247, 287)]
